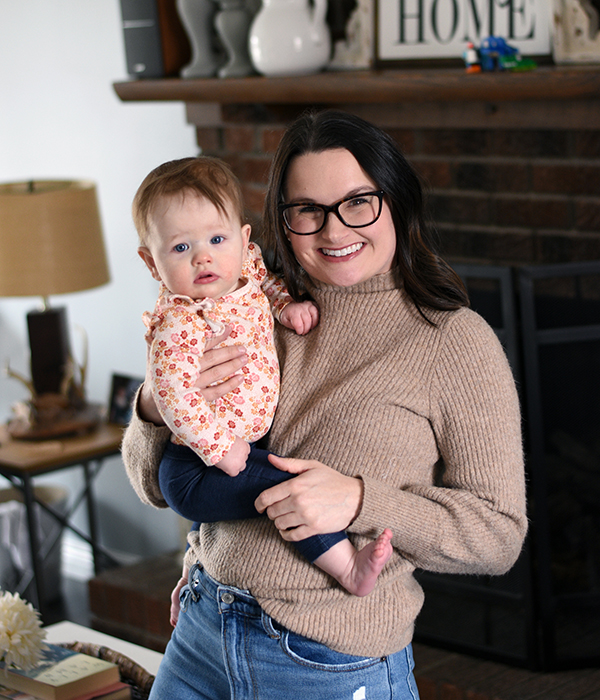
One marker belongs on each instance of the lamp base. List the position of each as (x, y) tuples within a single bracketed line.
[(50, 351), (57, 422)]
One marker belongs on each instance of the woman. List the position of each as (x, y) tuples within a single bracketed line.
[(399, 410)]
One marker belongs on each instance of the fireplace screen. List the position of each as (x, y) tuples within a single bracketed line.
[(545, 613)]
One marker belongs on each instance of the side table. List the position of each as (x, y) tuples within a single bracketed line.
[(21, 461)]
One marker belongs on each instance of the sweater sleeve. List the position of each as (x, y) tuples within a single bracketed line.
[(142, 449), (472, 520)]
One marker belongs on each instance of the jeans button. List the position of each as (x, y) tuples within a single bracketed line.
[(227, 598)]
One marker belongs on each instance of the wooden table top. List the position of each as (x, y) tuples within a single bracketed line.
[(17, 456)]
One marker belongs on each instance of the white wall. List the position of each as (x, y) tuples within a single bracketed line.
[(60, 118)]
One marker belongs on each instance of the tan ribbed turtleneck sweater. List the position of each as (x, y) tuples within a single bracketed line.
[(426, 416)]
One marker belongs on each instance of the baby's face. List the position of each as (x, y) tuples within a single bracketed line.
[(193, 248)]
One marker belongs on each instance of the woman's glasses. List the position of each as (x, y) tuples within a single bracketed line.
[(306, 218)]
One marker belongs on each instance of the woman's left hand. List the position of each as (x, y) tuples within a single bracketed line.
[(317, 501)]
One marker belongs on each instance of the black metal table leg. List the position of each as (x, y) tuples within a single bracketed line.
[(91, 510), (34, 545)]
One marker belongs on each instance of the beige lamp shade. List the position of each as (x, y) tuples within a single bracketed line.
[(50, 238)]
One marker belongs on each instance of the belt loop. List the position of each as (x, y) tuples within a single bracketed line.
[(267, 624)]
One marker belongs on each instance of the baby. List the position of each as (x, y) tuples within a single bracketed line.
[(189, 217)]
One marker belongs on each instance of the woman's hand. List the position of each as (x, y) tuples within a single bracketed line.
[(175, 596), (317, 501), (215, 365)]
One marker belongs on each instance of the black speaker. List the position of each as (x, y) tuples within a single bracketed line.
[(156, 44)]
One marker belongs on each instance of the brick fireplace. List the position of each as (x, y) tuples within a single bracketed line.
[(514, 196), (511, 166), (511, 161)]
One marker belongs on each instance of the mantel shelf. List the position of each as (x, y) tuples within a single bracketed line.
[(372, 87)]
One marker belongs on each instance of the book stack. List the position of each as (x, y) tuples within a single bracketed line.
[(64, 674)]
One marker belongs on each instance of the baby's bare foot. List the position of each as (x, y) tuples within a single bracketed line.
[(368, 564)]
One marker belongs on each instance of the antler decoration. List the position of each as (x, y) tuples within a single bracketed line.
[(20, 378)]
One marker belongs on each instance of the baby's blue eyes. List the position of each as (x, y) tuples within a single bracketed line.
[(183, 247)]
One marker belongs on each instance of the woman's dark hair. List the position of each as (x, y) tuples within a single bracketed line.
[(427, 279)]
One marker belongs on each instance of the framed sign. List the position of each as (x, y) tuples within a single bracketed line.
[(413, 30)]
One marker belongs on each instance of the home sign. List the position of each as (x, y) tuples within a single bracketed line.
[(431, 29)]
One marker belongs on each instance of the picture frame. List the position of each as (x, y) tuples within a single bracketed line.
[(122, 391), (428, 32)]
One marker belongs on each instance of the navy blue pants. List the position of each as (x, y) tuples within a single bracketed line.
[(208, 495)]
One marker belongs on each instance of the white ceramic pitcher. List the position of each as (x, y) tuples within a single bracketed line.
[(288, 37)]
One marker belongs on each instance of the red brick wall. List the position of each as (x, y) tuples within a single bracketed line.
[(506, 196)]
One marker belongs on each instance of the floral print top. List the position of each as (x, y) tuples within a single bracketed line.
[(179, 329)]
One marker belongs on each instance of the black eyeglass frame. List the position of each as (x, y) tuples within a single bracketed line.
[(335, 208)]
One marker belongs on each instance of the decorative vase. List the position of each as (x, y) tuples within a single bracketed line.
[(288, 37), (197, 17), (233, 24), (355, 49), (576, 35)]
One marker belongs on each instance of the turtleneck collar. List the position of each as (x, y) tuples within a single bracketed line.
[(378, 283)]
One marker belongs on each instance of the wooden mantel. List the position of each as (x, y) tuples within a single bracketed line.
[(430, 85), (569, 96)]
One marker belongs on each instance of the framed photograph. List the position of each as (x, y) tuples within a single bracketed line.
[(439, 30), (122, 391)]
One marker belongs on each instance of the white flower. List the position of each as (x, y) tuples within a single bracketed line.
[(21, 636)]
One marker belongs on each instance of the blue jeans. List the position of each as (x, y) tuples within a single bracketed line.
[(225, 647), (208, 495)]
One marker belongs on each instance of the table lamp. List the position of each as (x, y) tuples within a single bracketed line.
[(51, 243)]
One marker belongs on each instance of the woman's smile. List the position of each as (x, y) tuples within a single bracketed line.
[(343, 252)]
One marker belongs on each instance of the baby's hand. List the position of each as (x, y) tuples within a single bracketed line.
[(300, 316), (234, 461)]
